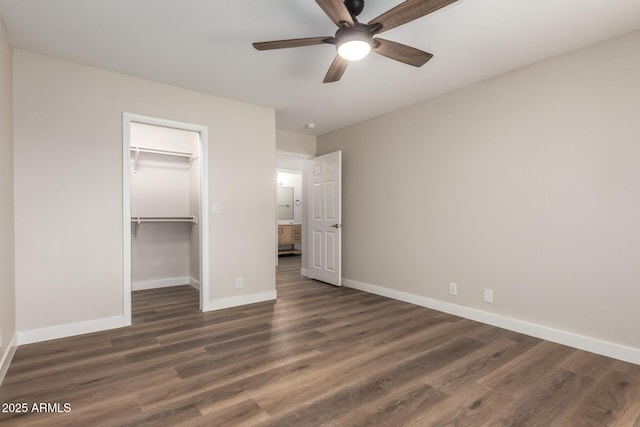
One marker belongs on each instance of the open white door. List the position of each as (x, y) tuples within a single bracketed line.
[(324, 223)]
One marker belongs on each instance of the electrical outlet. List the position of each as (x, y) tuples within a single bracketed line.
[(488, 295), (239, 282), (453, 289), (215, 208)]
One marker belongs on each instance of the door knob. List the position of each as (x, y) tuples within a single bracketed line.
[(336, 225)]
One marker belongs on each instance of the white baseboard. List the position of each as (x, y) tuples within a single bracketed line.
[(594, 345), (304, 272), (222, 303), (6, 356), (160, 283), (69, 329), (195, 283)]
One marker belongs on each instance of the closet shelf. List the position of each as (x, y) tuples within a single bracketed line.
[(136, 221), (138, 150)]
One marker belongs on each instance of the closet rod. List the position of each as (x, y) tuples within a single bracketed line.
[(140, 219), (136, 221), (165, 152)]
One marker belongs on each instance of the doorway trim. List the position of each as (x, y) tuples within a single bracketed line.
[(203, 220)]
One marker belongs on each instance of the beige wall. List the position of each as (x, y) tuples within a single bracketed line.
[(68, 186), (293, 142), (527, 184), (7, 282)]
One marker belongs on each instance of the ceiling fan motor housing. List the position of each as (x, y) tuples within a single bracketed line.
[(354, 6), (358, 32)]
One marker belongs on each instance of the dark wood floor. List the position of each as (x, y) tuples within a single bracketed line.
[(320, 355)]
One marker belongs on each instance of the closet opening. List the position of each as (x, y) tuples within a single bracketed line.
[(164, 219)]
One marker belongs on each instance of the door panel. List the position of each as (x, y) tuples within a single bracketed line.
[(330, 200), (317, 201), (325, 218), (316, 255), (330, 242)]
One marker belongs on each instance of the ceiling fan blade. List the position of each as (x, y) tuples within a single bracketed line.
[(337, 11), (407, 12), (336, 70), (282, 44), (401, 52)]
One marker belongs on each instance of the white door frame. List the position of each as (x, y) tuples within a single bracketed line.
[(203, 219)]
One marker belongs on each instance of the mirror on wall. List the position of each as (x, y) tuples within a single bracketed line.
[(285, 203)]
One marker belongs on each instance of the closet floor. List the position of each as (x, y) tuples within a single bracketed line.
[(151, 305), (320, 355)]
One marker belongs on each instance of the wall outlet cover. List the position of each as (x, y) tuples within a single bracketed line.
[(453, 289)]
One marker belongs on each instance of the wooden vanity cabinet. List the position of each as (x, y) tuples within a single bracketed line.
[(289, 234)]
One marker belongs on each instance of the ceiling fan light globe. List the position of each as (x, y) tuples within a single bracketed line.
[(354, 50)]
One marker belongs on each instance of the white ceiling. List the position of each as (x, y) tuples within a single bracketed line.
[(205, 45)]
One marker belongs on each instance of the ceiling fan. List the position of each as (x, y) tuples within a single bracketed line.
[(355, 40)]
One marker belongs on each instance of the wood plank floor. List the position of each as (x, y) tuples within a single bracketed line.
[(320, 355)]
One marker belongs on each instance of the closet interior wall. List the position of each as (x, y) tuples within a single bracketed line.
[(165, 195)]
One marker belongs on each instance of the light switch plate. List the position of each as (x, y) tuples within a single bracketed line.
[(215, 208)]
